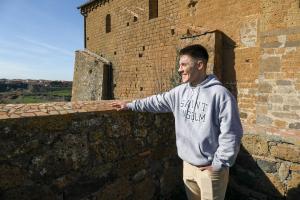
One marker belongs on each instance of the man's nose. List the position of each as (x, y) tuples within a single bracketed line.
[(180, 69)]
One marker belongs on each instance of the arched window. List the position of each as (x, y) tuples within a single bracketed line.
[(153, 9), (108, 23)]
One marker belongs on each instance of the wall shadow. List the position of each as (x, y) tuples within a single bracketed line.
[(107, 91), (249, 180), (228, 73)]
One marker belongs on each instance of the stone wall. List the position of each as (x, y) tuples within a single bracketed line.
[(91, 77), (279, 76), (86, 151), (267, 167)]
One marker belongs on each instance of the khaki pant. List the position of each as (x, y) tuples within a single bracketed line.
[(204, 185)]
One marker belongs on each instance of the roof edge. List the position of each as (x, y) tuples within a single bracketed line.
[(98, 57), (85, 4)]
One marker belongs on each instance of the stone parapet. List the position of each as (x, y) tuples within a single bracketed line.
[(8, 111), (85, 150)]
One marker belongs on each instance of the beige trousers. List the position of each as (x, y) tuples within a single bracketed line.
[(204, 185)]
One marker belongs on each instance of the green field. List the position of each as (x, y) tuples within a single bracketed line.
[(41, 97)]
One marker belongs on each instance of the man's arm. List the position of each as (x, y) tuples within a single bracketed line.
[(230, 136), (157, 103)]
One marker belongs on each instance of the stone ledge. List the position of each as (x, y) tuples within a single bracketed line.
[(289, 135), (8, 111)]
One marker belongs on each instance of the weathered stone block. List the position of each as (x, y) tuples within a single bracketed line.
[(120, 189), (280, 124), (283, 171), (270, 64), (10, 177), (145, 189), (285, 151), (278, 185), (63, 181), (29, 192), (294, 181), (109, 150), (139, 176), (287, 115), (295, 125), (265, 120), (293, 101), (170, 181), (271, 45), (96, 136), (243, 115), (118, 127), (100, 170), (267, 166), (276, 99), (262, 98), (296, 108), (286, 107), (129, 166), (283, 82), (265, 88), (72, 150), (248, 32), (255, 144), (133, 146), (292, 43), (295, 167)]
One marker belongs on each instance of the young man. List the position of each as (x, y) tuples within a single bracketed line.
[(208, 127)]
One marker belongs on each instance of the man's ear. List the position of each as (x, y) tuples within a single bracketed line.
[(200, 65)]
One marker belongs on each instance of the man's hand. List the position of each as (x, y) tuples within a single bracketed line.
[(208, 168), (119, 105)]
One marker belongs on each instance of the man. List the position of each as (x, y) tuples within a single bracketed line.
[(207, 123)]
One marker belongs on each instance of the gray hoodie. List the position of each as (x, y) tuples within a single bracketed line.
[(207, 123)]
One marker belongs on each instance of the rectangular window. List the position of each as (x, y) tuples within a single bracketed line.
[(108, 23), (153, 9)]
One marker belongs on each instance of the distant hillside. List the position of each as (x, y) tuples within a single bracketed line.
[(34, 91)]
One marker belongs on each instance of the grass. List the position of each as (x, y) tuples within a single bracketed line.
[(32, 99), (61, 93), (41, 97)]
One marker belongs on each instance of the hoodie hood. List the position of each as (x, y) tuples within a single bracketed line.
[(209, 81)]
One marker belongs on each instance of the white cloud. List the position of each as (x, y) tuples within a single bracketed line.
[(47, 46)]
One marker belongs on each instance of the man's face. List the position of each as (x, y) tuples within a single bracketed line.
[(188, 69)]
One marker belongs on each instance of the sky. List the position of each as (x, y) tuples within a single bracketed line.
[(38, 38)]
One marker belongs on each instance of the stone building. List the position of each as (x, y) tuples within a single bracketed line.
[(254, 50), (254, 46), (86, 150)]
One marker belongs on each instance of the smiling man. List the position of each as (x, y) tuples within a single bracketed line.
[(207, 123)]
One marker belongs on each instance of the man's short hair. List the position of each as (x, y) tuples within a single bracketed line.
[(196, 51)]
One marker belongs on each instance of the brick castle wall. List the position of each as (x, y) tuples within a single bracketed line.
[(260, 50), (142, 52)]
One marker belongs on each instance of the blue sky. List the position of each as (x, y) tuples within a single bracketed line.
[(38, 38)]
